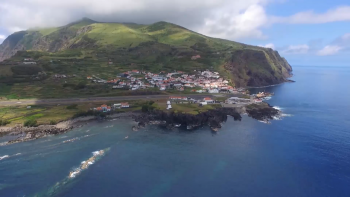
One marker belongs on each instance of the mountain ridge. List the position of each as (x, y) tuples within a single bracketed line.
[(245, 65)]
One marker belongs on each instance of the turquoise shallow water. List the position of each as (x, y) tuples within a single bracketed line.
[(305, 154)]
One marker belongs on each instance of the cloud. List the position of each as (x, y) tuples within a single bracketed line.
[(329, 50), (310, 17), (269, 45), (219, 18), (343, 41), (339, 44), (230, 24), (296, 49), (2, 37)]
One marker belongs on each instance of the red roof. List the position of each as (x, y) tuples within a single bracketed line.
[(103, 105), (208, 99)]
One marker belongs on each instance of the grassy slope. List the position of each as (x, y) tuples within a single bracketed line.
[(158, 47), (119, 35)]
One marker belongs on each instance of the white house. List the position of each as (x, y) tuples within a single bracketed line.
[(117, 106), (208, 100), (125, 105), (213, 91)]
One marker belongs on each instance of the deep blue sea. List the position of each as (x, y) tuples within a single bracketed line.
[(307, 153)]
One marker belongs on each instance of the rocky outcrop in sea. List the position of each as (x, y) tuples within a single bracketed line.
[(212, 118)]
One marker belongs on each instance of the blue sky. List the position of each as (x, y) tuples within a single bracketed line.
[(305, 32)]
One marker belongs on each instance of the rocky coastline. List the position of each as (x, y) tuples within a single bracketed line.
[(24, 134), (170, 120), (212, 118)]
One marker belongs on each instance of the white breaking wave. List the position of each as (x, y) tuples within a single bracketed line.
[(276, 118), (4, 157), (8, 156), (85, 164), (106, 127), (267, 98), (278, 108), (76, 138), (63, 137)]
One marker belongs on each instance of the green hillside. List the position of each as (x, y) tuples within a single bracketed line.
[(85, 47)]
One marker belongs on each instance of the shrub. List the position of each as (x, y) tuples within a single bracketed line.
[(52, 122), (147, 108), (30, 123), (73, 106), (81, 85), (4, 122)]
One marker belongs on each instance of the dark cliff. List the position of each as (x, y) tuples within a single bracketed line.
[(257, 68)]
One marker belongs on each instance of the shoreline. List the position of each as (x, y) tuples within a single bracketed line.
[(32, 133), (287, 81), (212, 118)]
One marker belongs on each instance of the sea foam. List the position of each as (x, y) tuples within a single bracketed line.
[(4, 157)]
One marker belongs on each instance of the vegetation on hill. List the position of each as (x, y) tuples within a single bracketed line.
[(86, 47)]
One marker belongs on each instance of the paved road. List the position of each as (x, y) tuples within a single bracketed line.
[(93, 99)]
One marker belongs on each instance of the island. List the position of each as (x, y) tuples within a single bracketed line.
[(55, 79)]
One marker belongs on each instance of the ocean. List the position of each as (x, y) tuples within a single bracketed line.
[(307, 153)]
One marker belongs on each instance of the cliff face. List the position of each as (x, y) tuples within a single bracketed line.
[(11, 45), (257, 68)]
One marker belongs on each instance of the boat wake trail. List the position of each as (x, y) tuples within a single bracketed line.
[(59, 187)]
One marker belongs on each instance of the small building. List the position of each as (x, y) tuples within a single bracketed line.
[(208, 100), (125, 105), (117, 106), (104, 108), (177, 84), (88, 77), (162, 88), (213, 91), (234, 100), (29, 63), (195, 57)]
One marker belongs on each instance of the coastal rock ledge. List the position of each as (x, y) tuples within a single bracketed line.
[(212, 118)]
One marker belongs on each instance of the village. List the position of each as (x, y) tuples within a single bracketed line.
[(198, 101), (200, 82)]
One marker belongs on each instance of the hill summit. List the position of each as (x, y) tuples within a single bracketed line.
[(157, 47)]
